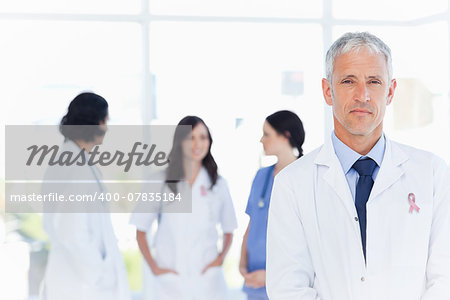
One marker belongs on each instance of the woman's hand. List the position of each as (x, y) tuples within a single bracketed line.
[(157, 271), (243, 261), (243, 270), (215, 263), (141, 237), (256, 279), (227, 239)]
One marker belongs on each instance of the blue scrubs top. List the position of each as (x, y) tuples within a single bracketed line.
[(256, 239)]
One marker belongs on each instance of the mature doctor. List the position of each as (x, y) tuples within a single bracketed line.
[(361, 217), (84, 261)]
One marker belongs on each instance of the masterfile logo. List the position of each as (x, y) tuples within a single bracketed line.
[(124, 169), (79, 158)]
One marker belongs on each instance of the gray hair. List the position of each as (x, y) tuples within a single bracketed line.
[(354, 41)]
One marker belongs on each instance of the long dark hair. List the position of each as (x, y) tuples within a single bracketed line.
[(85, 109), (175, 170), (288, 124)]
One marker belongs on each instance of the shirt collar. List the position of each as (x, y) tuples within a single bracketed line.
[(347, 156)]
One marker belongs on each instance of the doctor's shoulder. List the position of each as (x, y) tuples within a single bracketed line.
[(261, 174), (220, 186), (422, 159), (300, 168), (428, 170)]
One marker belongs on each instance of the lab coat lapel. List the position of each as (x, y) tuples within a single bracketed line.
[(335, 176), (390, 170)]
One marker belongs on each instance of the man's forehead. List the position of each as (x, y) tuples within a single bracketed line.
[(360, 53), (358, 49), (349, 75), (352, 62)]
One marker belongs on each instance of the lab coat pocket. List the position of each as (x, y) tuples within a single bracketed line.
[(213, 285), (168, 286), (168, 281), (212, 271), (404, 256), (107, 277), (166, 277)]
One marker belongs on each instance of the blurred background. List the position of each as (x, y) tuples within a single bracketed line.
[(230, 62)]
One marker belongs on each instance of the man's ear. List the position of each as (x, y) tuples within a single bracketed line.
[(326, 89), (391, 91)]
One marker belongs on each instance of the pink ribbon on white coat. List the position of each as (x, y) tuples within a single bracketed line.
[(412, 203), (203, 190)]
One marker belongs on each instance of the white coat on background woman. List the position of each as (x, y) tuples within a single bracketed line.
[(185, 261), (84, 261)]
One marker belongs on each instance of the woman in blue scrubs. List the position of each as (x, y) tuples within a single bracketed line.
[(283, 136)]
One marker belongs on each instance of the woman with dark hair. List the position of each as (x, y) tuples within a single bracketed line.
[(84, 261), (283, 136), (85, 109), (185, 261)]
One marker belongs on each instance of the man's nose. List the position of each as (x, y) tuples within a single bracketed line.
[(362, 93)]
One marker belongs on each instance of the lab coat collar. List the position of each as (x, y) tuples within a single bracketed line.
[(335, 176), (73, 147), (70, 145), (390, 171), (347, 156), (394, 155), (202, 179), (326, 155)]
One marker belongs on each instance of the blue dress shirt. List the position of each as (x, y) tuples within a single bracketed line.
[(347, 157)]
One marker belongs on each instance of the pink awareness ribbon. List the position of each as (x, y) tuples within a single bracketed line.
[(412, 203), (203, 190)]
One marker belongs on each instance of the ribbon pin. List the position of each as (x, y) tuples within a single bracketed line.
[(412, 203), (203, 190)]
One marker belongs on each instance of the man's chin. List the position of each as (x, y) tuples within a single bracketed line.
[(360, 131)]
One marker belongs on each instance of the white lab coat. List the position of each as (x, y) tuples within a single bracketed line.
[(314, 244), (84, 262), (187, 243)]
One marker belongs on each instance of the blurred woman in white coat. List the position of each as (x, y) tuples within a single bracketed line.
[(84, 261), (185, 260)]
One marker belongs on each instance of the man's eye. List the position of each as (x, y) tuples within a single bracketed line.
[(347, 81), (375, 82)]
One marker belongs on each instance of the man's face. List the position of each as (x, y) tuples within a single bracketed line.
[(359, 93)]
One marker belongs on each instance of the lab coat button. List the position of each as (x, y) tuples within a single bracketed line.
[(362, 279), (356, 219)]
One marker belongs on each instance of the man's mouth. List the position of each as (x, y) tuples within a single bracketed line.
[(360, 111)]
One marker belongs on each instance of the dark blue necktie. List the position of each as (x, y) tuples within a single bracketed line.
[(365, 168)]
